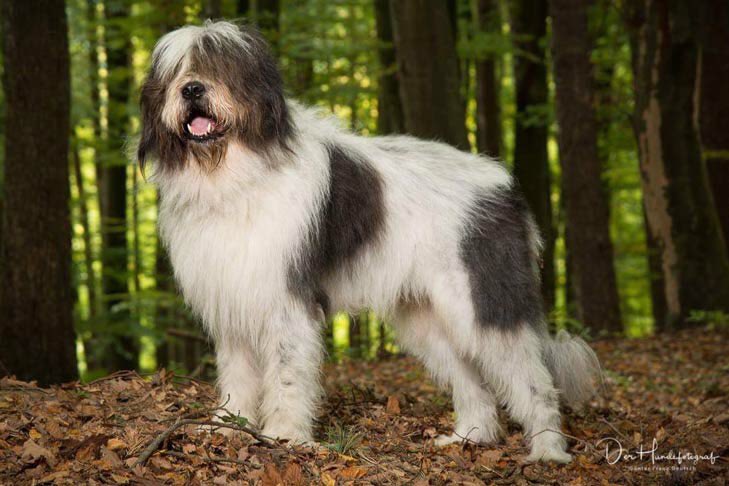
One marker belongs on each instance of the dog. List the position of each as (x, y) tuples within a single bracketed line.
[(274, 216)]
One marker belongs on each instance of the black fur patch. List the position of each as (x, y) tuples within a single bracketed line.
[(352, 217), (501, 263)]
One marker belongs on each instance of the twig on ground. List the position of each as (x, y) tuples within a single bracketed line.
[(116, 374), (614, 429), (157, 442)]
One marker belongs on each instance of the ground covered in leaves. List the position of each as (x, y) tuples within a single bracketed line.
[(668, 393)]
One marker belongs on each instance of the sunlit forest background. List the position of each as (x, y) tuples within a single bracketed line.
[(627, 259)]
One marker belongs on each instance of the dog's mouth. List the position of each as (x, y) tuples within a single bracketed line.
[(202, 127)]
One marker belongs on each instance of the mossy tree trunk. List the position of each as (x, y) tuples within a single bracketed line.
[(679, 207), (586, 204)]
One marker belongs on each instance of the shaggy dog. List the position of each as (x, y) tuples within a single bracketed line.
[(273, 216)]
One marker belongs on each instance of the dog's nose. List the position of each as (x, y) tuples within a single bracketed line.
[(193, 90)]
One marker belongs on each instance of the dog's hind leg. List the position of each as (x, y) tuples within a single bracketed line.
[(420, 331), (292, 355), (515, 364), (511, 360)]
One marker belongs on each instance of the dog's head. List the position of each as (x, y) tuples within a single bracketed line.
[(209, 86)]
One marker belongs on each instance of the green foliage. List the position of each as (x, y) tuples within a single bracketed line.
[(233, 419), (715, 319), (343, 440)]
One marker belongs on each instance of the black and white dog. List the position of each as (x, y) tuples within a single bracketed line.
[(273, 216)]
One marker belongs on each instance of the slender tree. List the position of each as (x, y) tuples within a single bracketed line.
[(171, 15), (266, 14), (123, 350), (427, 67), (679, 208), (587, 210), (212, 9), (488, 107), (714, 102), (389, 108), (36, 330), (531, 160)]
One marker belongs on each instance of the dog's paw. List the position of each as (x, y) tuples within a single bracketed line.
[(551, 454), (448, 439), (292, 437)]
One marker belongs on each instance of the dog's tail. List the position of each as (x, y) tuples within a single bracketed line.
[(574, 366)]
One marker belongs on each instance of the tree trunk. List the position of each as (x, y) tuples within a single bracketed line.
[(677, 198), (266, 15), (488, 84), (427, 66), (714, 103), (531, 160), (173, 15), (243, 7), (587, 209), (355, 335), (212, 9), (37, 339), (123, 351), (389, 108), (657, 283), (382, 352)]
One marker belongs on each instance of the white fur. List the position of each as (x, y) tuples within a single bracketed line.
[(234, 232), (171, 51)]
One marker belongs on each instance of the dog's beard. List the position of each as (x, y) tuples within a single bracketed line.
[(204, 135)]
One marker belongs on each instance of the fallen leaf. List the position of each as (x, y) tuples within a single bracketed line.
[(489, 458), (110, 459), (271, 475), (115, 444), (119, 479), (393, 405), (161, 463), (31, 452), (53, 476), (352, 472), (293, 475), (327, 480)]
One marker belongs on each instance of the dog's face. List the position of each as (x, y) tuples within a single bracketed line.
[(210, 86)]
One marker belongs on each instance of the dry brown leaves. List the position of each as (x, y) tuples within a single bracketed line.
[(674, 389)]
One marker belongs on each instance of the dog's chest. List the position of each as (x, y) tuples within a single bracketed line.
[(232, 265)]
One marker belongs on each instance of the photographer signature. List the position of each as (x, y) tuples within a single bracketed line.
[(615, 452)]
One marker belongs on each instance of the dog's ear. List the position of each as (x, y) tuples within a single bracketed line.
[(156, 142), (267, 116), (147, 143)]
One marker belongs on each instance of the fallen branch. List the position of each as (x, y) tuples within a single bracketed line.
[(116, 374), (157, 442)]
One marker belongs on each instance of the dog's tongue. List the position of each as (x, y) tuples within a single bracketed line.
[(201, 125)]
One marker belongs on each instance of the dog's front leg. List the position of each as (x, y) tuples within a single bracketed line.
[(291, 356), (239, 378)]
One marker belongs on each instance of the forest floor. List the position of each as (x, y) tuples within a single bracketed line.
[(377, 427)]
